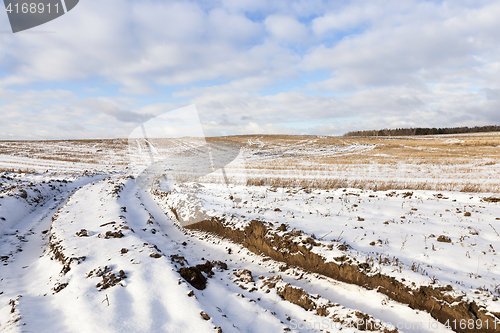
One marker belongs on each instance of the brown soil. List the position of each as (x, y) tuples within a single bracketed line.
[(493, 199), (434, 300), (57, 251), (194, 274), (297, 296), (444, 239), (204, 315), (244, 275), (59, 287), (194, 277), (83, 233), (206, 268), (113, 234), (110, 279), (322, 306), (175, 258), (99, 271)]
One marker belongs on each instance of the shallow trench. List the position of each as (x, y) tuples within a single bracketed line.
[(434, 300)]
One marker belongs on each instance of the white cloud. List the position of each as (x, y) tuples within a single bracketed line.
[(233, 28), (215, 129), (348, 17), (281, 66), (419, 49), (286, 28)]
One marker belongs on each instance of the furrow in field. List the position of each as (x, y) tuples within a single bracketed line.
[(262, 221)]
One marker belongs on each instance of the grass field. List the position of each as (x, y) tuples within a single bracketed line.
[(468, 163), (384, 234)]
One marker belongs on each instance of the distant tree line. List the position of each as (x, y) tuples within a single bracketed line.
[(425, 131)]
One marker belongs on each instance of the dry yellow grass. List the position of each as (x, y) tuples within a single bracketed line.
[(79, 151), (466, 162), (374, 185), (446, 149)]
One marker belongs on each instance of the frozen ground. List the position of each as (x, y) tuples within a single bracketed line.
[(84, 248), (469, 163), (421, 237), (105, 239)]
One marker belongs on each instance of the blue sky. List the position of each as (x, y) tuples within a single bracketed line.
[(293, 67)]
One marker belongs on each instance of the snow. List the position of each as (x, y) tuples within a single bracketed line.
[(150, 298), (45, 206), (382, 226)]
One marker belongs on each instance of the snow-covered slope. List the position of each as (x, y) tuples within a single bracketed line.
[(422, 239), (110, 242), (85, 248)]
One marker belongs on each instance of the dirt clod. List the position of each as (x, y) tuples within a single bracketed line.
[(175, 258), (282, 227), (296, 296), (204, 315), (206, 268), (220, 265), (83, 233), (111, 279), (492, 199), (444, 239), (99, 271), (113, 234), (60, 286), (244, 275)]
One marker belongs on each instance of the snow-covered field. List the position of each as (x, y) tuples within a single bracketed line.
[(84, 247)]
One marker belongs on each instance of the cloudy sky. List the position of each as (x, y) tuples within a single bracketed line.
[(252, 66)]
